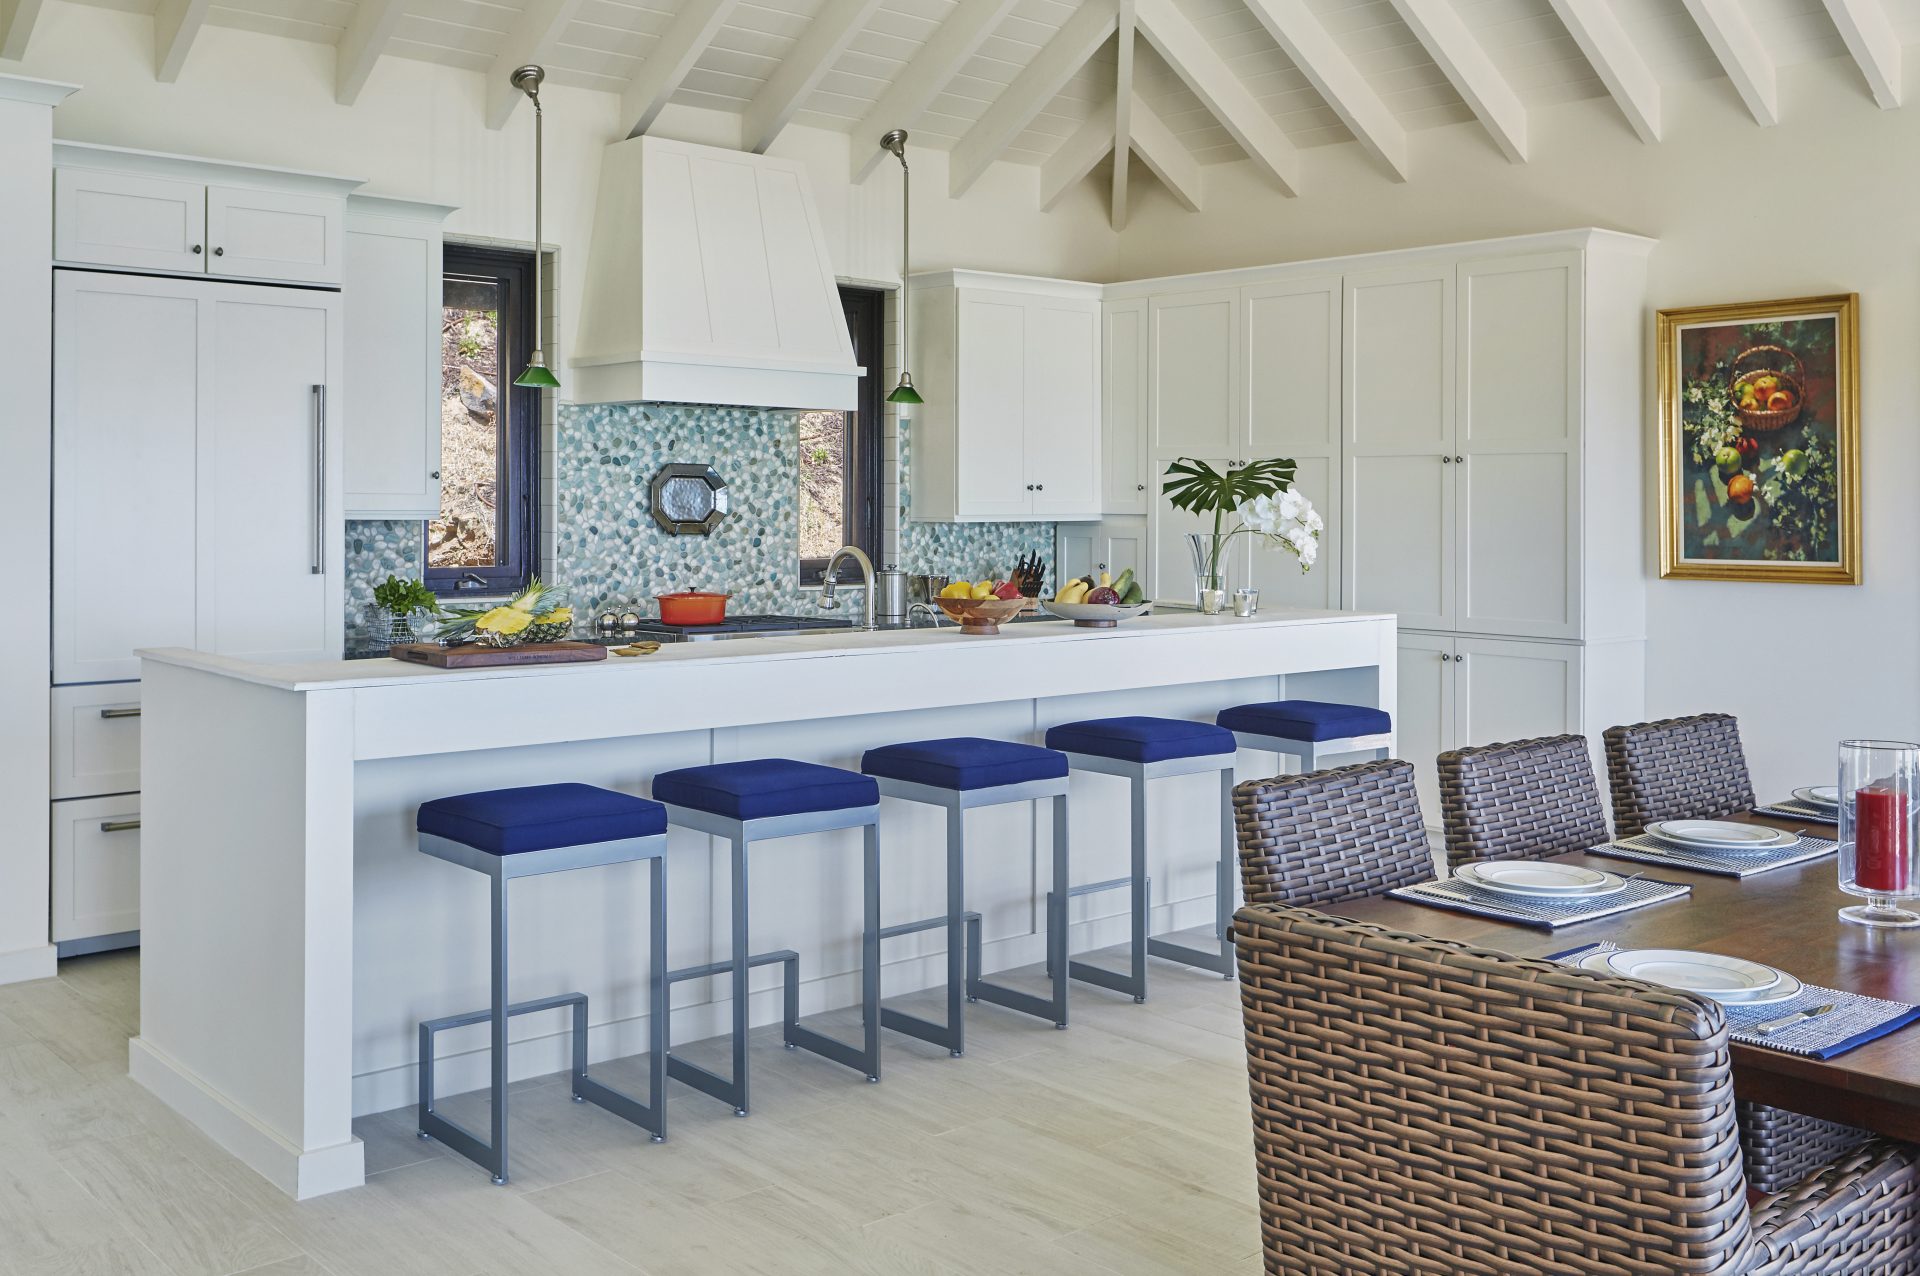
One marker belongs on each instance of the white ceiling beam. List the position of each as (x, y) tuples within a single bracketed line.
[(1123, 100), (1076, 157), (1072, 45), (669, 61), (1166, 156), (361, 44), (1333, 75), (176, 23), (1481, 84), (534, 37), (1743, 54), (801, 71), (1870, 37), (925, 78), (1610, 51), (1194, 60), (17, 20)]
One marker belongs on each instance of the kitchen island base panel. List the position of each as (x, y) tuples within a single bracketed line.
[(293, 935)]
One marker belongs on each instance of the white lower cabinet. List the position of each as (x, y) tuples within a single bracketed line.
[(1115, 544), (96, 872)]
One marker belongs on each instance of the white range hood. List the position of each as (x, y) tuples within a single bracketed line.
[(708, 281)]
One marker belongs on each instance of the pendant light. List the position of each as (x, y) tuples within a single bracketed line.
[(895, 143), (537, 375)]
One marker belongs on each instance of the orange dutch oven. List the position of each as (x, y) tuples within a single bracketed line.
[(692, 607)]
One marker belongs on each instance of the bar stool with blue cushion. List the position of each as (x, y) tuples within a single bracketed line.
[(752, 801), (1310, 731), (1140, 749), (958, 775), (525, 832)]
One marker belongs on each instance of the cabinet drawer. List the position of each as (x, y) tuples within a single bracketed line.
[(129, 219), (96, 740), (96, 868)]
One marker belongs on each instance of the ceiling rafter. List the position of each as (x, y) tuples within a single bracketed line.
[(17, 20), (361, 44), (1333, 75), (1610, 51), (1743, 55), (535, 35), (176, 24), (669, 61), (800, 73), (1166, 156), (1123, 104), (1874, 44), (1465, 63), (926, 77), (1074, 158), (1072, 46), (1182, 46)]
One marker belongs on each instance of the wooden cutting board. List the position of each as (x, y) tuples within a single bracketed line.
[(477, 656)]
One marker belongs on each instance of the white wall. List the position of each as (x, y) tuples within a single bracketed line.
[(1824, 202)]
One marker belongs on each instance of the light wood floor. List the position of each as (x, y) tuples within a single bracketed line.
[(1118, 1146)]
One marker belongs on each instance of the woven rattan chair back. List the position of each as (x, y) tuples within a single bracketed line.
[(1333, 835), (1423, 1107), (1676, 769), (1526, 800)]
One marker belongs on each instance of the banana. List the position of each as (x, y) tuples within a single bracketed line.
[(1106, 581), (1072, 592)]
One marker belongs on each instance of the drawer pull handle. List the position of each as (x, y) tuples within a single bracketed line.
[(120, 713), (119, 826)]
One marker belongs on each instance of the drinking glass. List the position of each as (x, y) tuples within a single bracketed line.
[(1879, 830)]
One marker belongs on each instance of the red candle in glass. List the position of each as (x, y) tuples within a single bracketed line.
[(1880, 851)]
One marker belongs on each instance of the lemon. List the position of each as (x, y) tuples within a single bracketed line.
[(982, 590)]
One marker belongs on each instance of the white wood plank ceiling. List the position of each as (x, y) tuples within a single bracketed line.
[(1118, 91)]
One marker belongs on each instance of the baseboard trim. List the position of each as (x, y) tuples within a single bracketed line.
[(39, 962)]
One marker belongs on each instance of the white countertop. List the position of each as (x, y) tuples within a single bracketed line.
[(328, 675)]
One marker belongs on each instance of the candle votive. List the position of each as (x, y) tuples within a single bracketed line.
[(1879, 830)]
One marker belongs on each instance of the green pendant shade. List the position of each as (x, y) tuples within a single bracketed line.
[(904, 392), (537, 376)]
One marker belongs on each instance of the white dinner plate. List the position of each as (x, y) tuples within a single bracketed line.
[(1538, 878), (1785, 987), (1820, 795), (1720, 835)]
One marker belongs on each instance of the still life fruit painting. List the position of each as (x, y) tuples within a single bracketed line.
[(1760, 441)]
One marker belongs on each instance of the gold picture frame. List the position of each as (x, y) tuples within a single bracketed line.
[(1760, 441)]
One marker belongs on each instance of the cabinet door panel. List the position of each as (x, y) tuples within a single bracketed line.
[(991, 461), (269, 574), (1399, 362), (391, 420), (1513, 531), (1398, 538), (1063, 408), (272, 235), (128, 219), (1515, 690), (1423, 720), (126, 389), (96, 867), (1292, 377), (1123, 405), (1192, 374), (1276, 573)]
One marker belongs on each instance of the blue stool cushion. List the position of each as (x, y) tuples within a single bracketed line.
[(765, 787), (540, 818), (1140, 739), (1306, 720), (964, 762)]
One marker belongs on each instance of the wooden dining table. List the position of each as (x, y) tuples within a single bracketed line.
[(1787, 918)]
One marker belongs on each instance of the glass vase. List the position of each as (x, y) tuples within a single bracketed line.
[(1210, 586), (399, 628), (1879, 830)]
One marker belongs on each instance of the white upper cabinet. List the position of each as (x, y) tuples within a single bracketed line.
[(129, 219), (1193, 374), (264, 234), (1291, 368), (390, 415), (1126, 473), (1011, 371)]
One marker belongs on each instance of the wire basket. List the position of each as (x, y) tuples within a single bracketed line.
[(1789, 383)]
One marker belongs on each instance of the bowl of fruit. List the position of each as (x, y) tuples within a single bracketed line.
[(1100, 602), (980, 606)]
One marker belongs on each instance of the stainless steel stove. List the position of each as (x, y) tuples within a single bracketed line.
[(615, 629)]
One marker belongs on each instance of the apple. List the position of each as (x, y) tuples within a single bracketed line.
[(1729, 460), (1794, 462), (1740, 489), (1007, 590)]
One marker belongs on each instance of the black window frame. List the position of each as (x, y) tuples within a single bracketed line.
[(865, 312), (517, 488)]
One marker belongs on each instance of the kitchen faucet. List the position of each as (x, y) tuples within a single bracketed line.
[(827, 600)]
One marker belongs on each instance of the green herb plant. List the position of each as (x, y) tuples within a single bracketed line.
[(405, 597)]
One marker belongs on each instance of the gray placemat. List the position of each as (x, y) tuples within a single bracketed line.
[(1795, 809), (1456, 895), (1648, 849)]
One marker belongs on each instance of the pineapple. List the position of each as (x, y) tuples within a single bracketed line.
[(552, 626), (537, 613)]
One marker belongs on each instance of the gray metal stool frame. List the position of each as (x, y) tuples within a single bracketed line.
[(1310, 753), (865, 1058), (491, 1154), (966, 974), (1137, 774)]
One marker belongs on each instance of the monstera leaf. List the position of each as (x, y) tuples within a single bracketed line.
[(1198, 488)]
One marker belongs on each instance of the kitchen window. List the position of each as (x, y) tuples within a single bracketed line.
[(484, 540), (840, 455)]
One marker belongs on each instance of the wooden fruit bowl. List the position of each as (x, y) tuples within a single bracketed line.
[(981, 615)]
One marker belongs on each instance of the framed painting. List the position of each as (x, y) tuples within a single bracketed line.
[(1760, 441)]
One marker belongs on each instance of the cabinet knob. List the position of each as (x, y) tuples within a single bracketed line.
[(1029, 487), (1446, 460), (1039, 487), (435, 476), (196, 250), (219, 252), (1139, 487), (1459, 460)]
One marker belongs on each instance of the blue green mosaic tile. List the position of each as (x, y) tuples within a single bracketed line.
[(377, 549)]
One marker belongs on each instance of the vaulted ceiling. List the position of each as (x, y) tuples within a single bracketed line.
[(1161, 88)]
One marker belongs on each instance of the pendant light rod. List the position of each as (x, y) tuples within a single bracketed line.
[(895, 144), (528, 80)]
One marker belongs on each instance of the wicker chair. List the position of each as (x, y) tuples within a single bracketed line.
[(1424, 1107), (1333, 835), (1676, 769), (1526, 800)]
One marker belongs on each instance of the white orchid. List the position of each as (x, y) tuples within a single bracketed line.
[(1288, 521)]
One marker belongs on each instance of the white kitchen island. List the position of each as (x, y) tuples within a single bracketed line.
[(292, 937)]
